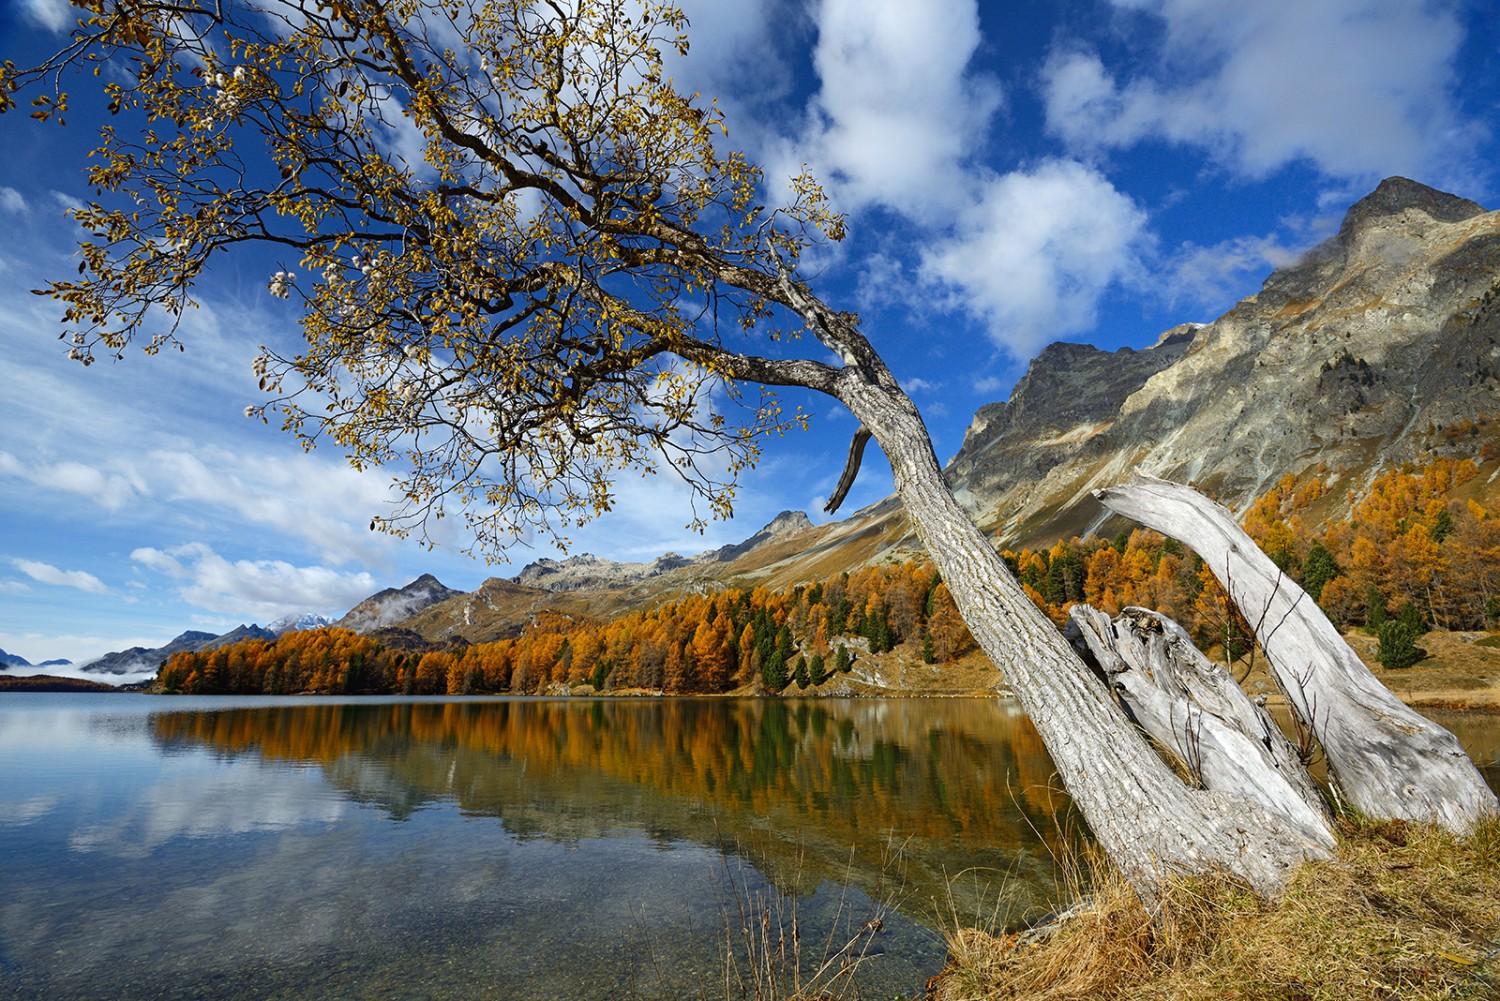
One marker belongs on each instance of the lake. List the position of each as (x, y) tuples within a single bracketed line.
[(170, 847)]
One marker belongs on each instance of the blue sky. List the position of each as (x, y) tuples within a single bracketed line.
[(1088, 170)]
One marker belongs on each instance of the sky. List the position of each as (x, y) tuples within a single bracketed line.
[(1094, 171)]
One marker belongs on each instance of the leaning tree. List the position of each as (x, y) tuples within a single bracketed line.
[(524, 262)]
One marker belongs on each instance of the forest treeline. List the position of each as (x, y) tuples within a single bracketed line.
[(1411, 555), (697, 644)]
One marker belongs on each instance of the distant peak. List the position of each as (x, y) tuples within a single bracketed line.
[(1397, 194), (786, 523)]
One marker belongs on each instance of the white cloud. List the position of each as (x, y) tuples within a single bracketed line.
[(53, 15), (1361, 88), (112, 490), (989, 386), (1036, 254), (325, 503), (67, 202), (1214, 276), (12, 201), (46, 573), (264, 589), (736, 51), (898, 110)]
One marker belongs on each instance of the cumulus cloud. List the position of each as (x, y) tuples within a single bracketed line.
[(46, 573), (734, 52), (1038, 251), (1359, 88), (264, 589), (898, 109), (899, 123)]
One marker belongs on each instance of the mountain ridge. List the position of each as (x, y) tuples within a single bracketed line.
[(1363, 354)]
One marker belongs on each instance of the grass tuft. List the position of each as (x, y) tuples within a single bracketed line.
[(1404, 911)]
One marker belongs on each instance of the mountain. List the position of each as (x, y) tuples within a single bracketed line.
[(589, 586), (238, 634), (8, 660), (140, 659), (394, 605), (1365, 354), (1379, 347), (589, 572), (297, 623)]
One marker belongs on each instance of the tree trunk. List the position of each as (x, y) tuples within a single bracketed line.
[(1385, 759), (1147, 820), (1192, 706)]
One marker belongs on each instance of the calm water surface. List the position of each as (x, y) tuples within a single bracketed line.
[(501, 848)]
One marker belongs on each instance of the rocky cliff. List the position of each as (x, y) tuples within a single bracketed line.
[(1357, 357)]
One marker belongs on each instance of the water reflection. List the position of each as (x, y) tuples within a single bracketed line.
[(505, 848), (958, 782)]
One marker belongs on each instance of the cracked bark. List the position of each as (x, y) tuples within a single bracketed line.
[(1386, 759), (1192, 706), (1150, 823)]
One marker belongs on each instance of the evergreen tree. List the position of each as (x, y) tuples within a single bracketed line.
[(800, 673), (1398, 645), (1375, 613), (600, 674), (773, 672), (816, 671), (1411, 617), (1317, 570)]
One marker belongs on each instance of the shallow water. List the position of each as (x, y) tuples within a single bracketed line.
[(505, 848), (511, 848)]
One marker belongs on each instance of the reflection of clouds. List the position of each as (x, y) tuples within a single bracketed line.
[(27, 810), (267, 905), (237, 801)]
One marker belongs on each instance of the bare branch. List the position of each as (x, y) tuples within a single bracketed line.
[(851, 469)]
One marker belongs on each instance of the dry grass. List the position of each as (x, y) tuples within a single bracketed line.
[(1403, 912), (1461, 672)]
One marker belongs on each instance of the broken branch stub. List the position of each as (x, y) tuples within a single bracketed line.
[(1387, 760), (1192, 706)]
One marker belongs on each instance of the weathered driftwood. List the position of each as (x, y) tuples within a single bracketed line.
[(1193, 707), (1385, 759)]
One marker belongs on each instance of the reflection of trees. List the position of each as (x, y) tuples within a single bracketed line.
[(960, 783)]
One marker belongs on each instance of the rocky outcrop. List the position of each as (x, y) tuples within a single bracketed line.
[(254, 631), (591, 573), (1356, 358), (394, 605)]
